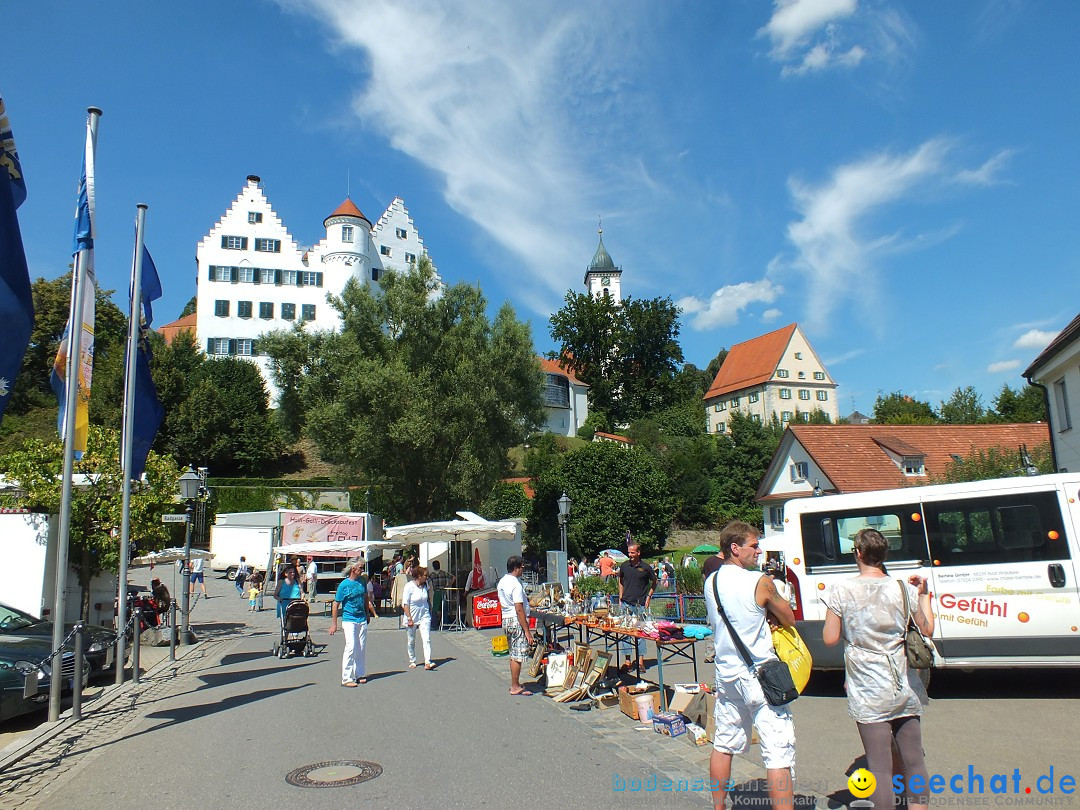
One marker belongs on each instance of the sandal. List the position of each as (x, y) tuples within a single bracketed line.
[(429, 666), (412, 665)]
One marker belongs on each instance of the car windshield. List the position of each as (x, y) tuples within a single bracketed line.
[(11, 619)]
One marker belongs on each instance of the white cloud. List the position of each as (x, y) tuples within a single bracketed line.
[(985, 175), (1004, 365), (843, 358), (809, 36), (722, 308), (770, 315), (837, 258), (834, 251), (1034, 339), (495, 99)]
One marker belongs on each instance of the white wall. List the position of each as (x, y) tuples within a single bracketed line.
[(1064, 369)]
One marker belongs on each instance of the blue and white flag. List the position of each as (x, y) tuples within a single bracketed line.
[(16, 300), (148, 412), (84, 281)]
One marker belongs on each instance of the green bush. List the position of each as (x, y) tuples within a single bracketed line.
[(587, 586), (689, 580)]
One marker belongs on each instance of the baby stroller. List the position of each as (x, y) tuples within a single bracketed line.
[(295, 639)]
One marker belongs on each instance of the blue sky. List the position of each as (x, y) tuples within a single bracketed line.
[(899, 178)]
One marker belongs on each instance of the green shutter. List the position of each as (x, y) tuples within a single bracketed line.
[(256, 275), (234, 274), (243, 243), (318, 279), (299, 278), (209, 345), (210, 277), (232, 346), (277, 277)]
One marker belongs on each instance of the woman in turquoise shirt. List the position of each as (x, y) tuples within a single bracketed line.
[(288, 590)]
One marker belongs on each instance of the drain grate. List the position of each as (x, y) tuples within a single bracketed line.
[(338, 773)]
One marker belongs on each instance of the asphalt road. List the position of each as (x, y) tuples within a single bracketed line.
[(454, 737)]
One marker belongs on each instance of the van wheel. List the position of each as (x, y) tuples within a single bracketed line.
[(230, 573)]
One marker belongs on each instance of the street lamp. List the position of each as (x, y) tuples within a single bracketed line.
[(189, 491), (564, 518)]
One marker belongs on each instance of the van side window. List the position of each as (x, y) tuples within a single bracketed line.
[(829, 537), (997, 529)]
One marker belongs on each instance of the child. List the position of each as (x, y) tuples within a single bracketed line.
[(253, 598)]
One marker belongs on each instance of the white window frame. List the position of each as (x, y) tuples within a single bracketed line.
[(734, 402), (401, 233), (346, 233), (1061, 400), (310, 278), (721, 428), (267, 245), (244, 347), (385, 250), (800, 471), (804, 394), (913, 466), (410, 258), (776, 517), (823, 396), (245, 274), (266, 276), (289, 277), (785, 393), (819, 375), (221, 346), (782, 373), (798, 355), (232, 242), (786, 416), (254, 217), (754, 397)]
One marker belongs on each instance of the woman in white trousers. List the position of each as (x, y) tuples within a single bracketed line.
[(416, 606)]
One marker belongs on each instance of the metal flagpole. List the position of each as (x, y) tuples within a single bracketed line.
[(71, 387), (134, 325)]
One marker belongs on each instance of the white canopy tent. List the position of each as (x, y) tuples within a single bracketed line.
[(493, 541), (335, 548)]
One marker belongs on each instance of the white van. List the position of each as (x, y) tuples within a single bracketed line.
[(1002, 558)]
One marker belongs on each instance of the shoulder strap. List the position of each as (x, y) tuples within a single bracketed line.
[(739, 645), (909, 620)]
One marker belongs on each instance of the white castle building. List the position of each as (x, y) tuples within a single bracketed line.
[(255, 277)]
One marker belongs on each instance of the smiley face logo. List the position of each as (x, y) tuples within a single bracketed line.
[(861, 783)]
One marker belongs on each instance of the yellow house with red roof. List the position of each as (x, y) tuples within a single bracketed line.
[(777, 374)]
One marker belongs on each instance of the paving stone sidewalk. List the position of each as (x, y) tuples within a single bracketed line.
[(28, 782)]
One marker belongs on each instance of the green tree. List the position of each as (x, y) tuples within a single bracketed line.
[(899, 409), (713, 368), (506, 502), (1026, 405), (293, 354), (189, 307), (96, 505), (613, 490), (420, 394), (628, 354), (995, 462), (743, 455), (964, 407)]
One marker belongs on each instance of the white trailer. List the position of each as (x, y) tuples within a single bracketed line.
[(261, 536), (28, 575)]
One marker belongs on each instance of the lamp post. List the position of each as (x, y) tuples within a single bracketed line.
[(564, 518), (189, 491)]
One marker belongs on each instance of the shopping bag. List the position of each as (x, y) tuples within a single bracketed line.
[(791, 649)]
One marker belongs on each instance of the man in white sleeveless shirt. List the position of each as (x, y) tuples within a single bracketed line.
[(751, 603)]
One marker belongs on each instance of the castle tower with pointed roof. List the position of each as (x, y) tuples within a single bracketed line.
[(603, 277), (254, 277)]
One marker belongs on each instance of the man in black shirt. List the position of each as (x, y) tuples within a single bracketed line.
[(637, 581)]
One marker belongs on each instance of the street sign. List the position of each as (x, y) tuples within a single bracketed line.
[(174, 519)]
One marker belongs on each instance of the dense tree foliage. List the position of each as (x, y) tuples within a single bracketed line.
[(964, 407), (744, 454), (1026, 405), (996, 462), (418, 394), (627, 353), (95, 506), (613, 490), (899, 409)]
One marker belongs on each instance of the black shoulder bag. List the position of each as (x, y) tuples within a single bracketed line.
[(773, 675)]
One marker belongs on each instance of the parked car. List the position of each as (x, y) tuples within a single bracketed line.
[(99, 649), (20, 656)]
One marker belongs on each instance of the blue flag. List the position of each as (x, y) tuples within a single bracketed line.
[(148, 411), (16, 301)]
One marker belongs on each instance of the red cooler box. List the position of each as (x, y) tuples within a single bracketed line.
[(485, 608)]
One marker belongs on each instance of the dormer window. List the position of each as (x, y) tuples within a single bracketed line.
[(913, 465)]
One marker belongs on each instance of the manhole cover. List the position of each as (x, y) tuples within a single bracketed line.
[(339, 773)]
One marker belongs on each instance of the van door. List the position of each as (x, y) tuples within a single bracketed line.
[(1004, 579)]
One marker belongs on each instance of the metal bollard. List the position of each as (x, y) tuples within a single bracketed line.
[(77, 681), (172, 630), (136, 644)]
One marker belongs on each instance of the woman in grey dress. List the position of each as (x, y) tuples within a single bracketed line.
[(885, 698)]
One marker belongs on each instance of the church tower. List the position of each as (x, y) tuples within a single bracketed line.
[(603, 277)]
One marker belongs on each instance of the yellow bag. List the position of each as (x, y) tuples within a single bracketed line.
[(791, 649)]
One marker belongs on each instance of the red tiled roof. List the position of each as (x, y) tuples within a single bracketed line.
[(526, 484), (854, 461), (348, 209), (171, 330), (613, 437), (553, 367), (751, 362)]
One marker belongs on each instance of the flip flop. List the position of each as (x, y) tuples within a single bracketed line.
[(412, 666), (361, 680), (522, 693), (429, 667)]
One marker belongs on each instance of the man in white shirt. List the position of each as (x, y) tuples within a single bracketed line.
[(311, 578), (751, 603), (515, 621)]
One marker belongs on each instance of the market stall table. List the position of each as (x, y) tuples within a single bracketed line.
[(666, 650), (453, 595), (556, 628)]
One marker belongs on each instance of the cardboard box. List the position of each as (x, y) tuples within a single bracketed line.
[(629, 707), (697, 734), (607, 701), (669, 724), (710, 716), (690, 704)]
